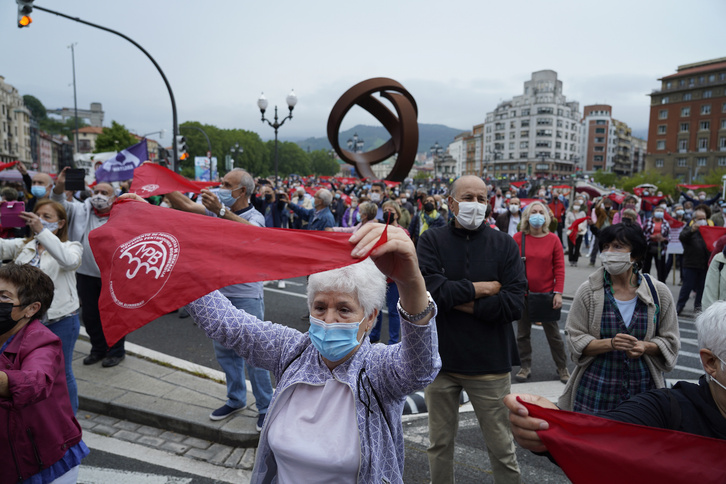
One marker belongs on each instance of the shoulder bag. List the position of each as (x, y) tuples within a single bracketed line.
[(539, 304)]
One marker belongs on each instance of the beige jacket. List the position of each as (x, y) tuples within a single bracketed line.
[(715, 288), (585, 318)]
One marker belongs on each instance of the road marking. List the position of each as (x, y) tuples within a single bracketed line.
[(697, 371), (159, 458), (99, 475)]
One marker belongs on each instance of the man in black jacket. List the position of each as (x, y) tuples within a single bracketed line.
[(475, 275)]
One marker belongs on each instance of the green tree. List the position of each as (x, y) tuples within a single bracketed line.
[(714, 177), (321, 163), (605, 178), (292, 159), (115, 138), (35, 106), (665, 182)]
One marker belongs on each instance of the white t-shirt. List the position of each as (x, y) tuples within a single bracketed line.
[(513, 222), (627, 308), (313, 435)]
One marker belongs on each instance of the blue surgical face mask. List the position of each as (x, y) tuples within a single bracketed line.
[(536, 220), (333, 340), (38, 191), (52, 226), (723, 369), (225, 196)]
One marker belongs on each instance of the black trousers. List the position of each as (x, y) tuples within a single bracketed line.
[(660, 263), (573, 250), (693, 280), (89, 290)]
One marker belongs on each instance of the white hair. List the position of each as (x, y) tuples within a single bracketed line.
[(363, 280), (711, 327), (325, 196)]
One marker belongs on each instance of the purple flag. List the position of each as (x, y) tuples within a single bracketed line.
[(121, 167)]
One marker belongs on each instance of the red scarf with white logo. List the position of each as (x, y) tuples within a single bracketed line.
[(595, 450), (154, 260), (151, 179)]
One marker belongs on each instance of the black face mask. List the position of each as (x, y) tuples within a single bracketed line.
[(268, 197), (429, 207), (389, 217), (6, 320)]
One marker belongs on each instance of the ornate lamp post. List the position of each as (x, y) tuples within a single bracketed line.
[(236, 148), (355, 144), (262, 104)]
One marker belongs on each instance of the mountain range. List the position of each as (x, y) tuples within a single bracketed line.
[(375, 136)]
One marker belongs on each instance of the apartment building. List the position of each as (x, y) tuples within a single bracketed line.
[(536, 133), (15, 133), (687, 129)]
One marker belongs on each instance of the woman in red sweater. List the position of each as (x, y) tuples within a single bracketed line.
[(545, 266)]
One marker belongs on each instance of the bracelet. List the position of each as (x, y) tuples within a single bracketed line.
[(417, 317)]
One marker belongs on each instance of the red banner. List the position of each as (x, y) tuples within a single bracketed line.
[(595, 450), (518, 184), (154, 260), (711, 235), (673, 222), (8, 164), (391, 184), (348, 180), (151, 179), (697, 187), (616, 198), (573, 229), (526, 201)]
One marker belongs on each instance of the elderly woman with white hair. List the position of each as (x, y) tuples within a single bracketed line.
[(687, 407), (541, 251), (336, 412)]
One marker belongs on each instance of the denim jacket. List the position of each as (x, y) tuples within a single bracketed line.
[(379, 376)]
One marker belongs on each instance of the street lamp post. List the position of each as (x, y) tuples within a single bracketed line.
[(234, 150), (436, 150), (262, 104)]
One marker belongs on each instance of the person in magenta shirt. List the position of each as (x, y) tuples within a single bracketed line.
[(545, 267)]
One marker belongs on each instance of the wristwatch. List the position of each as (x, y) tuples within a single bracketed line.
[(222, 211), (417, 317)]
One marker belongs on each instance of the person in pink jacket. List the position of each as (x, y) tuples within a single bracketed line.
[(41, 439)]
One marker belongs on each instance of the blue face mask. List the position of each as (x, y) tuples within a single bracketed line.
[(334, 340), (225, 196), (38, 191), (536, 220)]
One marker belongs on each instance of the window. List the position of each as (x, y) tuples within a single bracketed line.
[(513, 114), (681, 83), (707, 94), (599, 140), (597, 158), (682, 145), (524, 145), (662, 129), (544, 132), (702, 144), (701, 161), (544, 144), (662, 114), (684, 127), (524, 134), (602, 121), (704, 125), (599, 130), (511, 145), (511, 156), (525, 123), (722, 161), (602, 148), (706, 109), (682, 162), (664, 100), (723, 124), (545, 110), (512, 124), (558, 145), (687, 96), (668, 84), (722, 143), (499, 126), (499, 136), (723, 108), (659, 163), (712, 78), (544, 121), (523, 154), (685, 112), (525, 112)]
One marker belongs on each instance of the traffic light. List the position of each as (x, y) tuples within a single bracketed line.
[(25, 8), (181, 147)]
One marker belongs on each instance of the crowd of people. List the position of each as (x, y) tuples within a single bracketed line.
[(463, 261)]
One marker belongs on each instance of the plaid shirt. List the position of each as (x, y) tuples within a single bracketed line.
[(613, 377), (665, 229)]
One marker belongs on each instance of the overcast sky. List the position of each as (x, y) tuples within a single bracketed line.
[(457, 58)]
